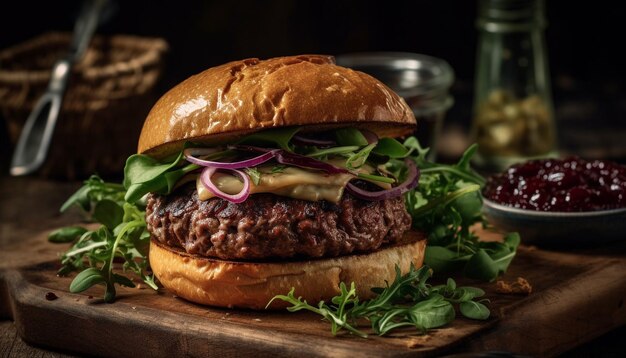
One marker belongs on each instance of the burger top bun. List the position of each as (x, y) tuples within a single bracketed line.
[(241, 97)]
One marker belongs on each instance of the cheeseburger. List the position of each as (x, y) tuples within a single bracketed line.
[(286, 183)]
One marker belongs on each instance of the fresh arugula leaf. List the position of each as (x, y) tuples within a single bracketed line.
[(143, 175), (108, 213), (87, 278), (391, 148), (122, 235), (123, 280), (446, 204), (474, 310), (357, 160), (80, 198), (442, 259), (420, 157), (432, 313), (464, 163), (137, 191), (469, 293), (512, 240), (93, 190), (481, 266), (469, 205), (66, 234), (280, 138), (407, 302), (141, 168), (350, 137), (379, 178), (254, 174), (333, 151), (334, 315)]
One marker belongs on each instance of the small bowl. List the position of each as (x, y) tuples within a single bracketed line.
[(546, 228)]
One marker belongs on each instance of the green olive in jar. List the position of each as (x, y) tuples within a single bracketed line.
[(509, 126)]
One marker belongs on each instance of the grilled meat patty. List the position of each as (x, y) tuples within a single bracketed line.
[(269, 226)]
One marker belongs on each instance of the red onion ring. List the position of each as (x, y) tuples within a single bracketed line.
[(284, 157), (409, 183), (252, 162), (240, 197)]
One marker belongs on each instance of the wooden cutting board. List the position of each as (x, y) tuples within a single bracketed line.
[(575, 299)]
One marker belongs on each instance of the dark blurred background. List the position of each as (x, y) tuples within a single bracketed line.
[(584, 39)]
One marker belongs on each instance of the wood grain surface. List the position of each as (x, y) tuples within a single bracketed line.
[(577, 298)]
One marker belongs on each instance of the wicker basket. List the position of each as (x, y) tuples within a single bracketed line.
[(108, 97)]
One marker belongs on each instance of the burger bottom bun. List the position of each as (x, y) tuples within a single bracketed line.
[(252, 285)]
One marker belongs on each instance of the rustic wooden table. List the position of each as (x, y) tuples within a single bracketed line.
[(29, 205)]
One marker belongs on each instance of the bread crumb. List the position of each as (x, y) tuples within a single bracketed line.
[(519, 287), (417, 342), (257, 319)]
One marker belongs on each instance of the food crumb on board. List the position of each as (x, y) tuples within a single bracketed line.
[(521, 286), (417, 342), (257, 319)]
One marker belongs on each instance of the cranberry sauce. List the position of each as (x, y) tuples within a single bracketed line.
[(570, 184)]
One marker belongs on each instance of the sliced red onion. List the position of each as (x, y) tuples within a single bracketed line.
[(284, 157), (240, 197), (409, 183), (252, 162), (300, 140)]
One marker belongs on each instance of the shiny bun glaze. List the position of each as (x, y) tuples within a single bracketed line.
[(241, 97)]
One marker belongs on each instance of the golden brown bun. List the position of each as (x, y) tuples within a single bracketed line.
[(252, 285), (240, 97)]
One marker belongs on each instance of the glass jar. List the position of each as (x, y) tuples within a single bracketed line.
[(423, 81), (513, 113)]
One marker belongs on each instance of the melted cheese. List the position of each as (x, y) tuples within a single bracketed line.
[(293, 182)]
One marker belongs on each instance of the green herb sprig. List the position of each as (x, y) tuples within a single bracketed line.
[(121, 237), (408, 302), (446, 205)]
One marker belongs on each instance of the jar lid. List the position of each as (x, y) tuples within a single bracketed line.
[(410, 75)]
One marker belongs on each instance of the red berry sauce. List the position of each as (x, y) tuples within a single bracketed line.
[(570, 184)]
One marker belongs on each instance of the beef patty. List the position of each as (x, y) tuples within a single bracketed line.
[(270, 226)]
